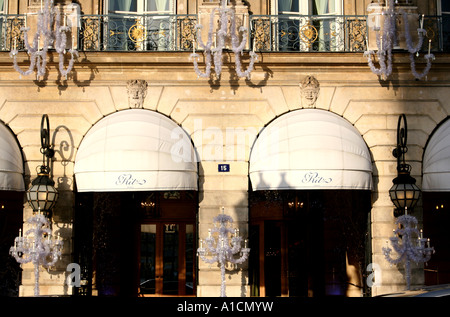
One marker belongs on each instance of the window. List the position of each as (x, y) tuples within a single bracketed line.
[(3, 6), (160, 6), (445, 7), (436, 216), (141, 6), (310, 7), (4, 26), (11, 220), (122, 6), (140, 24), (444, 12), (310, 25)]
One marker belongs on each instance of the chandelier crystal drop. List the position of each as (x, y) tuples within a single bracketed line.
[(386, 39), (213, 50), (49, 33)]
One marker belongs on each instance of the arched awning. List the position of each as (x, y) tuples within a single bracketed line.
[(11, 162), (310, 149), (436, 161), (136, 150)]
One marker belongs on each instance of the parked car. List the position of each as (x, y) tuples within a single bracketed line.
[(442, 290)]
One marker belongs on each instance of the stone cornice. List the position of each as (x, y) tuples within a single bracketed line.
[(183, 58), (276, 68)]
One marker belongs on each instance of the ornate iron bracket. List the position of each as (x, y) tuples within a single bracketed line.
[(46, 149), (401, 149)]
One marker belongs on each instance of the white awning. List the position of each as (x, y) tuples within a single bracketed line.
[(136, 150), (11, 162), (310, 149), (436, 161)]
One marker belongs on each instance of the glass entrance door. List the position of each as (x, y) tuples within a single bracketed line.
[(308, 243), (166, 259), (280, 256)]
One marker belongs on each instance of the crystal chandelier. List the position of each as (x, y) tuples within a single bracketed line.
[(385, 37), (49, 33), (224, 248), (409, 244), (38, 246), (213, 50)]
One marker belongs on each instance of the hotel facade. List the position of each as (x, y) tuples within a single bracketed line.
[(299, 153)]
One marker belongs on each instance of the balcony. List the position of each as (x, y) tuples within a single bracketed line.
[(268, 33)]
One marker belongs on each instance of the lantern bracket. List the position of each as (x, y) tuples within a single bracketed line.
[(46, 149), (404, 193), (401, 149)]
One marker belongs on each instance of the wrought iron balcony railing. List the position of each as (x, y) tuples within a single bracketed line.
[(308, 33), (137, 32), (268, 33), (114, 32), (301, 33)]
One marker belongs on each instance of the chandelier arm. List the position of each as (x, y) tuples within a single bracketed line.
[(381, 54), (210, 32), (45, 22), (389, 34), (60, 35), (429, 58), (238, 50), (411, 48), (220, 38), (22, 258), (381, 61), (54, 258), (237, 47), (210, 246), (253, 59), (42, 64), (60, 40), (399, 248), (387, 255), (30, 49), (206, 47), (242, 44), (236, 242), (240, 260), (211, 260), (17, 67), (207, 72), (65, 72)]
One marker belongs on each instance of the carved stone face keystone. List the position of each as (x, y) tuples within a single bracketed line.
[(137, 91), (310, 88)]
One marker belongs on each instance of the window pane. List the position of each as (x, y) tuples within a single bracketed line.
[(158, 5), (326, 6), (288, 5), (272, 258), (148, 259), (445, 6), (170, 259), (189, 259), (123, 5)]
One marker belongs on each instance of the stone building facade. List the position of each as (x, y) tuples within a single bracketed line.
[(223, 119)]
